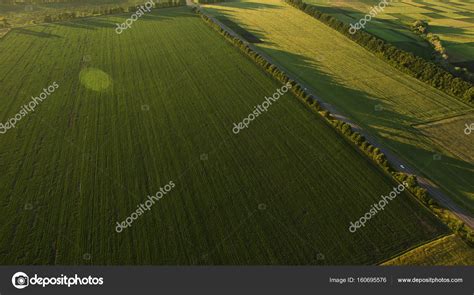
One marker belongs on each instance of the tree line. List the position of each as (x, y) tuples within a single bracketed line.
[(440, 53), (63, 16), (209, 1), (353, 137), (33, 2), (415, 66)]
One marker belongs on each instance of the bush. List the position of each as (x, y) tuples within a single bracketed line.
[(469, 95)]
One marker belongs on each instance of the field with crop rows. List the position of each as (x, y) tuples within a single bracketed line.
[(157, 104), (22, 14), (381, 99), (439, 131), (452, 21), (449, 250)]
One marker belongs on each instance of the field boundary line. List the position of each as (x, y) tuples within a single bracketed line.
[(4, 35), (416, 247), (439, 120)]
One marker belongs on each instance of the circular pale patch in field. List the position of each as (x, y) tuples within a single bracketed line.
[(95, 79)]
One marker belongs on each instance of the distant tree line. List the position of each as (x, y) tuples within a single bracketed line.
[(440, 53), (209, 1), (107, 10), (34, 2), (345, 129), (13, 2), (407, 62), (420, 27)]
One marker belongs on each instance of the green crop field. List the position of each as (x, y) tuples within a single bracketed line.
[(461, 145), (452, 21), (449, 250), (382, 100), (157, 104), (22, 14)]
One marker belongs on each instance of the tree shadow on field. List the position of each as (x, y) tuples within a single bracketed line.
[(156, 16), (225, 14), (77, 25), (383, 121), (25, 31), (91, 23), (111, 21), (248, 5), (337, 10), (330, 88), (435, 29)]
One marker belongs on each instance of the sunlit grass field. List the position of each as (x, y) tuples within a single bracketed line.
[(21, 14), (449, 250), (157, 104), (452, 21), (381, 99)]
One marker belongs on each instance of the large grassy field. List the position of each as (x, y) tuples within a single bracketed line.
[(21, 14), (385, 102), (452, 21), (26, 14), (440, 132), (449, 250), (157, 104)]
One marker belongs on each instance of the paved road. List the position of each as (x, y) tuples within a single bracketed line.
[(393, 159)]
